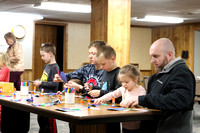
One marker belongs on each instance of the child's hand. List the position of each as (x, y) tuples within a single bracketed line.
[(57, 78), (94, 93), (72, 84), (58, 93), (88, 87), (37, 83), (98, 101)]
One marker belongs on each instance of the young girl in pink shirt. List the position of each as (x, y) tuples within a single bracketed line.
[(129, 76), (4, 67)]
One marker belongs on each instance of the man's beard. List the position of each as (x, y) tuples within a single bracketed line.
[(165, 62)]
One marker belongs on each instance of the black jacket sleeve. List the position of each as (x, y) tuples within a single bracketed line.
[(176, 94)]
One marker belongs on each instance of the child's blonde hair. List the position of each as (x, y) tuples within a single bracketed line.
[(131, 71), (4, 59)]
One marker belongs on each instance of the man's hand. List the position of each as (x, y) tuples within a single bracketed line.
[(131, 102)]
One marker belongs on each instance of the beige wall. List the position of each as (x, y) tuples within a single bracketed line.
[(140, 42), (79, 39)]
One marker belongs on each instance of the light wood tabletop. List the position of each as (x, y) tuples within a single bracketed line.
[(79, 112)]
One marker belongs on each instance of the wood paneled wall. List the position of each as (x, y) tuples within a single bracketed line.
[(27, 76), (182, 37)]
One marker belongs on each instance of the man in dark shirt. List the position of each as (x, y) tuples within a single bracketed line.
[(171, 90)]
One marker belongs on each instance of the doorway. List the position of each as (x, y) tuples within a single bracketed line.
[(48, 33)]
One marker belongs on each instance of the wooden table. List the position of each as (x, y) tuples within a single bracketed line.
[(94, 118)]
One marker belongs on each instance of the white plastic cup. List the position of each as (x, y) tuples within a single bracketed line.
[(69, 98), (24, 90)]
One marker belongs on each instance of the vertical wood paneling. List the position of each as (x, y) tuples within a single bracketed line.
[(112, 24), (180, 36), (119, 12), (27, 76), (99, 20)]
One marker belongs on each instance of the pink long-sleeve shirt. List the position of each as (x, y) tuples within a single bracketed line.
[(126, 95), (4, 74)]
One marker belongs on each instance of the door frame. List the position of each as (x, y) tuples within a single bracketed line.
[(65, 42)]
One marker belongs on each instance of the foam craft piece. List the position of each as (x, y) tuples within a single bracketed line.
[(116, 109), (63, 77)]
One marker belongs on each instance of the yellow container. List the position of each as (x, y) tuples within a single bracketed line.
[(7, 86)]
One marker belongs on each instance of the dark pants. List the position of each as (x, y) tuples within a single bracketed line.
[(15, 78), (14, 121), (47, 124)]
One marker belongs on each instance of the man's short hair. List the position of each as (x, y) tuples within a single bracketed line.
[(97, 44), (107, 51), (48, 47)]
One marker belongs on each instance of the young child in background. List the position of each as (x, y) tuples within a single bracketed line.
[(48, 52), (129, 76), (4, 67), (106, 58)]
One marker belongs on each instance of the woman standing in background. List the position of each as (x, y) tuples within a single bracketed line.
[(16, 56), (20, 120)]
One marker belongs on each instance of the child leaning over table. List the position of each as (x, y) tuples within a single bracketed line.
[(48, 52), (129, 76)]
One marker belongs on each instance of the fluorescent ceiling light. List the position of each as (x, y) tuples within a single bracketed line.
[(65, 7), (160, 19), (20, 15)]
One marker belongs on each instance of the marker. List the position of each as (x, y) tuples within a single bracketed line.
[(58, 71), (75, 109)]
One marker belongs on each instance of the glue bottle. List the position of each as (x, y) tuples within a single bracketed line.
[(14, 94), (31, 95), (1, 89), (34, 90), (89, 104), (113, 102)]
